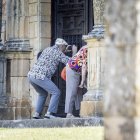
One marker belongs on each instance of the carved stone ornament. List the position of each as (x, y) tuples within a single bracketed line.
[(97, 32)]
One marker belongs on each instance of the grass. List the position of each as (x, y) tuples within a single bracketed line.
[(74, 133)]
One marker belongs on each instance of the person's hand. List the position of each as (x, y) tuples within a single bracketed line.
[(67, 48), (81, 86)]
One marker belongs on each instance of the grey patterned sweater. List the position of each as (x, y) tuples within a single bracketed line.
[(47, 63)]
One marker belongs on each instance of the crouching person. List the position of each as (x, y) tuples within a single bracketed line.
[(40, 77)]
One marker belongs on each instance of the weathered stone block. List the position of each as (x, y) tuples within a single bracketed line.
[(3, 100), (2, 67), (34, 43), (45, 18), (87, 109), (45, 42), (91, 108), (99, 108), (46, 29), (7, 113), (119, 128), (33, 29), (45, 9), (24, 27), (33, 1), (15, 55), (33, 19), (19, 87), (19, 67), (24, 102), (1, 89), (45, 0), (11, 102), (22, 113), (33, 9)]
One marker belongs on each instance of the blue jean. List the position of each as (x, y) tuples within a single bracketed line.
[(43, 87)]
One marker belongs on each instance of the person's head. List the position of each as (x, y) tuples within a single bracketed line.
[(61, 43)]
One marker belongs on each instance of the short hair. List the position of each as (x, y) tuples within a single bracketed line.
[(60, 41)]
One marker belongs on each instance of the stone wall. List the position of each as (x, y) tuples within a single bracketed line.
[(26, 25), (15, 96)]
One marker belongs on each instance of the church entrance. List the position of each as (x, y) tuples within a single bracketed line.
[(70, 20)]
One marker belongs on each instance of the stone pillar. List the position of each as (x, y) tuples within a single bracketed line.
[(98, 9), (120, 89), (92, 104), (17, 24)]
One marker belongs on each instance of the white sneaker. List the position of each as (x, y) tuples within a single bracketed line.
[(50, 116), (69, 115), (36, 116)]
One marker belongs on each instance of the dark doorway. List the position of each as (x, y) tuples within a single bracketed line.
[(70, 20)]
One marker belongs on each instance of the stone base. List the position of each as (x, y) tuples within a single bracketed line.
[(91, 108), (51, 123), (14, 113), (7, 113)]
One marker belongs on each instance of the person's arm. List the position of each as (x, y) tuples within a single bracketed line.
[(84, 73), (63, 58)]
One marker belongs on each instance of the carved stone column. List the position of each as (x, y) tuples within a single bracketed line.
[(121, 74), (98, 8), (92, 104), (17, 22)]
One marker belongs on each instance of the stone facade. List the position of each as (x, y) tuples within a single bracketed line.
[(29, 24), (26, 29)]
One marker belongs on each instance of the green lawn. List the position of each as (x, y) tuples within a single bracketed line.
[(74, 133)]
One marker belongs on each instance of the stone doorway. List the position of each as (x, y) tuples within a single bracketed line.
[(70, 20)]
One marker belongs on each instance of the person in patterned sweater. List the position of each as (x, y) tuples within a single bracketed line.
[(40, 77)]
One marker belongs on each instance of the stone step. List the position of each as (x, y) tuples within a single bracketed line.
[(50, 123)]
